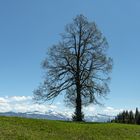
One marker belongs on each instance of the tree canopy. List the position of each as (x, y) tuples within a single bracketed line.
[(78, 65)]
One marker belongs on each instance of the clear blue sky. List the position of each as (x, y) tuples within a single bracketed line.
[(28, 27)]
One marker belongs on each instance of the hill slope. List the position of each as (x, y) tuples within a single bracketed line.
[(13, 128)]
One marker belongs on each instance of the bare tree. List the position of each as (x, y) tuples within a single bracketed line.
[(77, 65)]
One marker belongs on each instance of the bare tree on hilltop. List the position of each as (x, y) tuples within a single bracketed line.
[(78, 65)]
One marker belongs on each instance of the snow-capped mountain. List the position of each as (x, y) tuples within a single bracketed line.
[(99, 118), (36, 114), (50, 115)]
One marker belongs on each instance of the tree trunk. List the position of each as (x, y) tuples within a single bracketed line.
[(78, 111), (78, 116)]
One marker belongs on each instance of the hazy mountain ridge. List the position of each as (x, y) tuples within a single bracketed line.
[(57, 116)]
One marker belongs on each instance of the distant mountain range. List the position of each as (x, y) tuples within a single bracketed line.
[(57, 116)]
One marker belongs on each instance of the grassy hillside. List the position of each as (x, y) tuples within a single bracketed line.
[(13, 128)]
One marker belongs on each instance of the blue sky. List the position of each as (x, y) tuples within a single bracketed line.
[(29, 27)]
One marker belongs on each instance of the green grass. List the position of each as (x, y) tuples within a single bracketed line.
[(13, 128)]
